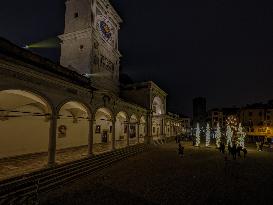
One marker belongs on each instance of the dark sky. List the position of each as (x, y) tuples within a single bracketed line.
[(219, 49)]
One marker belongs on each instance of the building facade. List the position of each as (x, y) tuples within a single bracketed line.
[(257, 120), (47, 108)]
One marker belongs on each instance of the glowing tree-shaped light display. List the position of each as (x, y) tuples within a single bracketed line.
[(218, 135), (207, 135), (197, 135), (232, 121), (229, 134), (241, 136)]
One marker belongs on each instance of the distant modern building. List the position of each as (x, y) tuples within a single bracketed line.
[(199, 111)]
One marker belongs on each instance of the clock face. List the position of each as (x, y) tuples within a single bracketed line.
[(105, 28)]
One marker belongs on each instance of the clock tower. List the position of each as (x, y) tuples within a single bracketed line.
[(90, 42)]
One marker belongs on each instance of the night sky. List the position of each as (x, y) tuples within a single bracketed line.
[(219, 49)]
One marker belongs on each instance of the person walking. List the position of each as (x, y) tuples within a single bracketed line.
[(223, 148), (245, 152), (180, 150), (239, 148), (234, 153), (229, 149)]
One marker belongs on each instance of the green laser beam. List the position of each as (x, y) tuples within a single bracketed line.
[(48, 43)]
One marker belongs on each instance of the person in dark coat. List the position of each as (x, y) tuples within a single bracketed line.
[(229, 149), (180, 150), (245, 152), (239, 148), (233, 151), (223, 147)]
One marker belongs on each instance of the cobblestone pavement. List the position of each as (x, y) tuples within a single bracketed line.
[(160, 176)]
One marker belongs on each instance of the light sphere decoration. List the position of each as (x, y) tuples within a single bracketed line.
[(218, 135), (207, 135), (197, 135)]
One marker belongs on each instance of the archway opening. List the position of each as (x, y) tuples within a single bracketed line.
[(24, 130), (121, 130), (72, 132), (102, 136), (142, 129), (133, 130), (158, 107)]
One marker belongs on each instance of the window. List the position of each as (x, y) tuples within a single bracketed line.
[(81, 47), (249, 113), (76, 15), (260, 114), (153, 129), (268, 117)]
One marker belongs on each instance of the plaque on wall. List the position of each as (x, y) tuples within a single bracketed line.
[(62, 131), (97, 131)]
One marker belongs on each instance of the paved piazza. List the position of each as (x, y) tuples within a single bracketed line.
[(161, 177)]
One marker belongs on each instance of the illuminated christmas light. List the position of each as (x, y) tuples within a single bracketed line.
[(229, 134), (197, 135), (218, 135), (207, 135), (241, 136)]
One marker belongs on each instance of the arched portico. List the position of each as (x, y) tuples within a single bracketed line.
[(103, 130), (121, 126), (24, 123), (73, 126)]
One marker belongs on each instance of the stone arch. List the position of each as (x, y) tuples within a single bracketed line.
[(24, 122), (158, 117), (158, 106), (142, 129), (133, 129), (73, 127), (121, 126), (102, 130)]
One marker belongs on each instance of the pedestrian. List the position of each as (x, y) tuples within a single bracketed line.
[(223, 148), (258, 146), (180, 150), (233, 151), (229, 149), (245, 152), (239, 148)]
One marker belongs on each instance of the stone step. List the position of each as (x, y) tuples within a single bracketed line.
[(47, 179)]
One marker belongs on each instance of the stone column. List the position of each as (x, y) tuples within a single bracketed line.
[(128, 134), (114, 134), (90, 137), (138, 125), (52, 140)]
